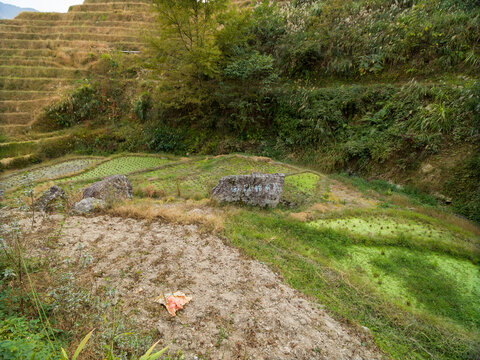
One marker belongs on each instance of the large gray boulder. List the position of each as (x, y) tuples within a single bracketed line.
[(88, 205), (256, 189), (49, 199), (109, 189)]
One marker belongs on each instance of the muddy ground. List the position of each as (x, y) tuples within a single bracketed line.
[(240, 308)]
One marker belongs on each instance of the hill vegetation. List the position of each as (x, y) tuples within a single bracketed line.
[(381, 89), (371, 108)]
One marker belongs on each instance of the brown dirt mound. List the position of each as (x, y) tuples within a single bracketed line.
[(240, 308)]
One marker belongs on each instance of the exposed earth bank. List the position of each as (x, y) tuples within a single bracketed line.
[(240, 308)]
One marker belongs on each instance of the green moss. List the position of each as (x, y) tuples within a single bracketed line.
[(305, 182), (437, 284)]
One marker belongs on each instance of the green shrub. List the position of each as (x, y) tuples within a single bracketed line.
[(464, 188), (142, 106), (168, 139), (21, 338), (82, 104)]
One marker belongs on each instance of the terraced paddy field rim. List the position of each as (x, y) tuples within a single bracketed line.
[(90, 16), (40, 71), (20, 44), (68, 25), (24, 105), (15, 118), (70, 36), (22, 94), (21, 61), (106, 6), (115, 1), (42, 84)]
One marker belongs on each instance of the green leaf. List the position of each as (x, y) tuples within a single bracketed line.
[(82, 344)]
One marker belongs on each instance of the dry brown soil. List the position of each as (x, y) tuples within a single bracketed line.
[(240, 308)]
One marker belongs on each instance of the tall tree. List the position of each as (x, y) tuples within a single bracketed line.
[(184, 40)]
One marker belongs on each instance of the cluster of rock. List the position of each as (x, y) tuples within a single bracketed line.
[(96, 196), (255, 189)]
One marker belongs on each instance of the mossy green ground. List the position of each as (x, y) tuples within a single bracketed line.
[(195, 179), (47, 172), (412, 279), (121, 165)]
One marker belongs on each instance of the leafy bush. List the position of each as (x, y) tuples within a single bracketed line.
[(82, 104), (464, 187), (142, 105), (168, 139), (24, 339)]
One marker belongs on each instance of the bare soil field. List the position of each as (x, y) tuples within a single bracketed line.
[(240, 308)]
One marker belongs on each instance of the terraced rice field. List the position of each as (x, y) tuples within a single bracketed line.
[(121, 165), (366, 264), (195, 179), (42, 52), (46, 173)]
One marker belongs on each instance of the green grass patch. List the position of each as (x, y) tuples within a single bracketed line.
[(407, 232), (195, 179), (305, 182), (426, 309), (385, 188), (440, 285)]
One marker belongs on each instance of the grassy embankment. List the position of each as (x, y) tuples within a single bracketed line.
[(374, 255)]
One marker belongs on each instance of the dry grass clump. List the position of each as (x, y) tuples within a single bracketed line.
[(199, 212)]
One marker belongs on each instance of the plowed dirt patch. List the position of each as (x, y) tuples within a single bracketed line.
[(240, 308)]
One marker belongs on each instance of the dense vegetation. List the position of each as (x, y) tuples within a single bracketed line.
[(375, 87)]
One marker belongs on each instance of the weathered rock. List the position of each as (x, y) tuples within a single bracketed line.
[(2, 195), (445, 199), (49, 198), (110, 188), (88, 205), (426, 168), (256, 189)]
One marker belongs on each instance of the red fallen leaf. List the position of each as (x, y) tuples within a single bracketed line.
[(173, 302)]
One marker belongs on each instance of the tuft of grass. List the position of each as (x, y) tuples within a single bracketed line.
[(190, 212)]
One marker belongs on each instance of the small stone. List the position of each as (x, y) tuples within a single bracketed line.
[(255, 189), (49, 198), (88, 205), (426, 168), (110, 188)]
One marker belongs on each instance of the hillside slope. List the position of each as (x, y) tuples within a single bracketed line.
[(41, 53)]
